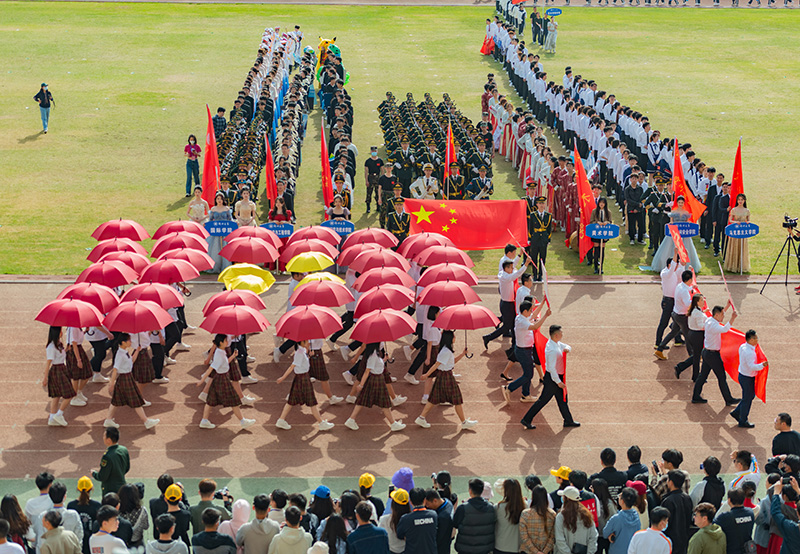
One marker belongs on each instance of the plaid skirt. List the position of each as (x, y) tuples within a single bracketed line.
[(387, 377), (58, 383), (234, 373), (78, 373), (434, 353), (445, 389), (143, 371), (126, 392), (362, 366), (374, 393), (302, 393), (222, 393), (317, 368)]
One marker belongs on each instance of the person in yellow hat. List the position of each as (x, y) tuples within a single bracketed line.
[(562, 480), (365, 483), (399, 506), (85, 505)]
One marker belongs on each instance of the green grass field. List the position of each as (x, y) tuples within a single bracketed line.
[(131, 82)]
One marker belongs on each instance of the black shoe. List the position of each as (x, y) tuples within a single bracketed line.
[(367, 209), (571, 424), (699, 401), (677, 372), (705, 247), (505, 378), (527, 425), (746, 425), (187, 195), (733, 401), (665, 348), (716, 254), (678, 343), (486, 343), (596, 271)]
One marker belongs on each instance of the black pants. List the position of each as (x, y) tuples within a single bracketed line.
[(538, 253), (656, 230), (241, 355), (419, 359), (695, 340), (507, 314), (100, 348), (172, 336), (347, 323), (667, 304), (286, 345), (550, 390), (712, 361), (720, 238), (158, 358), (680, 327), (742, 411), (636, 226)]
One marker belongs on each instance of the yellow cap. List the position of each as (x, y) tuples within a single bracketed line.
[(173, 493), (562, 472), (400, 496), (366, 480), (85, 484)]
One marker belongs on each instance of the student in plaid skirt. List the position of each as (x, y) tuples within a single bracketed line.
[(78, 366), (319, 372), (372, 388), (234, 374), (361, 367), (445, 387), (124, 391), (221, 391), (143, 370), (56, 380), (432, 336), (301, 393)]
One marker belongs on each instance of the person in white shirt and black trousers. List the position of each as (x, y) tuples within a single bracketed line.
[(696, 322), (680, 314), (748, 370), (712, 361), (508, 309)]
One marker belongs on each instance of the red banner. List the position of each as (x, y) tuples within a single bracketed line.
[(731, 341), (471, 224), (327, 182), (586, 204), (269, 174), (210, 180), (692, 204), (737, 181), (680, 248)]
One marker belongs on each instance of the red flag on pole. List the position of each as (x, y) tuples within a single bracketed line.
[(269, 174), (693, 205), (680, 248), (210, 181), (737, 181), (327, 183), (586, 204), (449, 154)]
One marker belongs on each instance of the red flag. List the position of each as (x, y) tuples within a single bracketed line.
[(269, 174), (449, 153), (737, 181), (327, 183), (586, 204), (693, 205), (471, 224), (540, 343), (488, 46), (729, 352), (210, 181), (680, 248)]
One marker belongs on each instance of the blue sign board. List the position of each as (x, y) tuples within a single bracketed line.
[(552, 12), (341, 226), (743, 230), (283, 230), (685, 228), (220, 228), (602, 232)]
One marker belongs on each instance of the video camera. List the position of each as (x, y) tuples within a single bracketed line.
[(221, 494), (789, 222)]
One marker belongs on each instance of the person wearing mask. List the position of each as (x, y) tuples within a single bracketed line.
[(292, 539), (737, 523), (255, 536), (54, 538), (70, 520), (103, 542), (622, 526), (444, 519), (575, 526), (192, 152), (367, 538), (418, 527), (475, 521), (709, 539), (680, 509), (165, 544), (748, 369), (653, 540), (711, 489)]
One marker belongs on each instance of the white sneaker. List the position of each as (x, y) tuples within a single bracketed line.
[(111, 423), (205, 424), (169, 361), (351, 424), (248, 400), (245, 423), (397, 400), (161, 381), (422, 422), (76, 401), (190, 327), (411, 379), (276, 340), (351, 399), (345, 352), (147, 404), (251, 360), (333, 345), (527, 399), (150, 423), (393, 378), (468, 423), (348, 378), (276, 355), (407, 352), (82, 396), (51, 421), (424, 399), (249, 380), (182, 346), (335, 400), (203, 396), (97, 378), (282, 424), (325, 425), (397, 426)]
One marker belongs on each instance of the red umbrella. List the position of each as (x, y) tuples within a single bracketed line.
[(382, 276), (200, 260), (249, 250), (239, 297), (257, 232), (350, 253), (135, 261), (68, 312), (448, 293), (178, 240), (163, 295), (296, 247), (137, 316), (99, 296), (442, 254), (321, 293), (379, 258), (235, 320), (467, 317), (383, 325), (318, 232), (415, 244), (115, 245), (447, 272), (120, 228), (181, 226), (111, 274), (169, 271), (395, 297), (308, 322), (370, 235)]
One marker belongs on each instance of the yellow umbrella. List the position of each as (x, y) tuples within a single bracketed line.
[(309, 261), (258, 285), (243, 269), (321, 276)]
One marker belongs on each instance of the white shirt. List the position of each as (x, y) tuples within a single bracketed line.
[(316, 344), (375, 364), (522, 333), (74, 334), (747, 360), (95, 334), (697, 321), (220, 361), (105, 543), (507, 283), (123, 362), (56, 356), (554, 360), (300, 361), (432, 334), (683, 299), (37, 505), (650, 541), (446, 359), (505, 259), (70, 520), (670, 277), (12, 548), (522, 292), (140, 340), (714, 331)]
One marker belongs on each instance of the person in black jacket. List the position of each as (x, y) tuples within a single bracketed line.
[(720, 210), (711, 489), (737, 524), (444, 519), (418, 527), (475, 520), (616, 479), (636, 466), (635, 209), (680, 512)]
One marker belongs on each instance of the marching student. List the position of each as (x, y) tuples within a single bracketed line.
[(100, 338), (525, 350), (124, 391), (358, 371), (712, 360), (234, 373), (318, 371), (506, 279), (372, 389), (78, 366), (56, 379), (432, 336), (302, 392), (157, 342), (143, 370), (221, 392)]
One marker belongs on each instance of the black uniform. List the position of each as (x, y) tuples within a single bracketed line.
[(454, 187), (405, 173), (478, 185), (656, 204), (398, 225), (539, 228), (386, 185), (373, 166)]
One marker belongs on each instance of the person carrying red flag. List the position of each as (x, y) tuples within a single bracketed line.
[(712, 360), (748, 371)]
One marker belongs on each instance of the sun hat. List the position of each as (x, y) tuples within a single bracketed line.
[(85, 484), (562, 472), (570, 492), (400, 496), (366, 480)]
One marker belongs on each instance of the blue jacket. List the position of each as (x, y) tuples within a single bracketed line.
[(368, 539), (622, 525), (790, 529)]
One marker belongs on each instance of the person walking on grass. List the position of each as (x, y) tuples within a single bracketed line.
[(45, 100)]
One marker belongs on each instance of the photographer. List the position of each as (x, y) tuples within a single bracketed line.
[(208, 492)]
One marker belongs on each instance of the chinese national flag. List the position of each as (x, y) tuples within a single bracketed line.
[(210, 181), (269, 174), (471, 224), (680, 248), (586, 204), (693, 205), (327, 183), (737, 181)]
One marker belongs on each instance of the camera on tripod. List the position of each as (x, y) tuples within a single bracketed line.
[(789, 222)]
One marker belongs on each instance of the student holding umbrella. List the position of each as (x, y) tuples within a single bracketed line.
[(56, 380), (221, 392), (372, 389), (302, 392), (124, 391)]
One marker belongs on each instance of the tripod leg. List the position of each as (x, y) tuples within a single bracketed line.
[(788, 240)]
